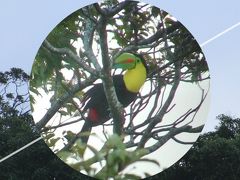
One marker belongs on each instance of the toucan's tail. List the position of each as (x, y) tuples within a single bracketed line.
[(85, 132)]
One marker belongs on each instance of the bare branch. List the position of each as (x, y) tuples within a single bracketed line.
[(63, 99), (173, 132), (45, 129), (160, 115), (71, 54), (87, 41), (182, 142), (114, 10), (114, 105)]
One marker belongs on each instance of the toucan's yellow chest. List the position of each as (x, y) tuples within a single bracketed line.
[(135, 78)]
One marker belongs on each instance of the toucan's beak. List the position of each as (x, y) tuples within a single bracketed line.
[(125, 61)]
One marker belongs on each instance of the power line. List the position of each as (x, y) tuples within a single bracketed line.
[(202, 45), (20, 149), (220, 34)]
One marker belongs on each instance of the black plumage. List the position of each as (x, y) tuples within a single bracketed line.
[(97, 99)]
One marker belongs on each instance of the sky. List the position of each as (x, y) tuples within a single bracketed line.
[(25, 24)]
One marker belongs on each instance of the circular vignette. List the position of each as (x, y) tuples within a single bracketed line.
[(159, 102)]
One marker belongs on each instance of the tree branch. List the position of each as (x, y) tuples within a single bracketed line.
[(173, 132), (114, 105), (87, 41), (71, 54), (62, 100), (114, 10), (158, 118)]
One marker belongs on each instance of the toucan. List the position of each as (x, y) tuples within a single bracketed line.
[(127, 87)]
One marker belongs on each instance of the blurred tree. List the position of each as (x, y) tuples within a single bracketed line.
[(17, 129), (216, 155)]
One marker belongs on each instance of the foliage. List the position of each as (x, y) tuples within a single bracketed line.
[(114, 153), (82, 48), (17, 129)]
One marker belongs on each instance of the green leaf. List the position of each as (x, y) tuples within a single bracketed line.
[(63, 113), (115, 141), (155, 11), (131, 177), (53, 141), (64, 155)]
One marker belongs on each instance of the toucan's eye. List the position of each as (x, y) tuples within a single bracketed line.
[(138, 60)]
